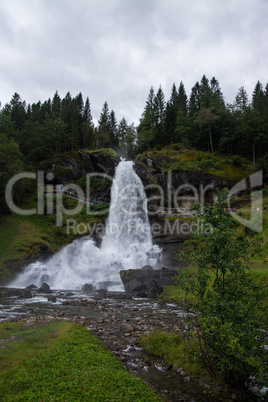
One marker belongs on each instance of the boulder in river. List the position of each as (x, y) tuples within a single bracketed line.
[(146, 281), (31, 287), (87, 288), (44, 288)]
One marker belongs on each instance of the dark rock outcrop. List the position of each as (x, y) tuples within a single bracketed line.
[(44, 288), (31, 287), (87, 288), (147, 282), (70, 167), (150, 172), (26, 294), (52, 299)]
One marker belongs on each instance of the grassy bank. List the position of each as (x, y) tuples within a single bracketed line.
[(256, 266), (175, 157), (175, 350), (71, 365)]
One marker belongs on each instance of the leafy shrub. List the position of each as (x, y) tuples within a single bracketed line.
[(176, 147), (237, 161), (263, 165), (199, 156), (231, 302), (206, 163), (143, 158)]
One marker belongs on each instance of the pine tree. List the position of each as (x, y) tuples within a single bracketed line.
[(159, 108), (217, 99), (241, 100), (170, 115), (258, 98), (87, 126), (16, 109), (195, 100), (146, 129), (182, 99), (56, 105), (66, 109), (113, 130), (103, 138), (122, 132)]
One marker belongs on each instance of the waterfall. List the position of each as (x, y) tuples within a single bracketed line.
[(127, 243)]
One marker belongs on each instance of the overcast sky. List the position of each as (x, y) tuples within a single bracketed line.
[(115, 50)]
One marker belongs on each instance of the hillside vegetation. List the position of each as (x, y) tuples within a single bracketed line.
[(177, 157)]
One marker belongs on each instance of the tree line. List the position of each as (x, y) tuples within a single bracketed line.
[(34, 132), (61, 125), (205, 121)]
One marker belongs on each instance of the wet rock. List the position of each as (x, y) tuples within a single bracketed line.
[(147, 268), (101, 294), (142, 294), (147, 282), (128, 328), (31, 287), (26, 294), (87, 300), (167, 367), (59, 313), (119, 295), (52, 299), (87, 288), (31, 319), (153, 290), (44, 288)]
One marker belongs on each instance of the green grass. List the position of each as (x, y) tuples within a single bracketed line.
[(107, 152), (256, 266), (177, 158), (22, 340), (75, 367), (176, 351), (60, 158)]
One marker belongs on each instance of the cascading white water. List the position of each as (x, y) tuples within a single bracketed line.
[(127, 243)]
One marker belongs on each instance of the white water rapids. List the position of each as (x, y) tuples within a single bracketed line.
[(127, 243)]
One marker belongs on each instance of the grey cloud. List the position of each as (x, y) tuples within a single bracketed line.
[(115, 50)]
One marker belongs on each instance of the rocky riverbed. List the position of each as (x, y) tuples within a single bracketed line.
[(118, 320)]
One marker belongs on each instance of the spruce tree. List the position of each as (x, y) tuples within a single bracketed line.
[(159, 107), (56, 105), (87, 126), (113, 130), (103, 136)]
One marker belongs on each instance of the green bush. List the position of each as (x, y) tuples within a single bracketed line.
[(231, 303), (206, 163), (263, 165), (176, 147), (237, 161)]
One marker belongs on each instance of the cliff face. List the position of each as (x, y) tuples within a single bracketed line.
[(176, 184), (170, 194), (71, 166)]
